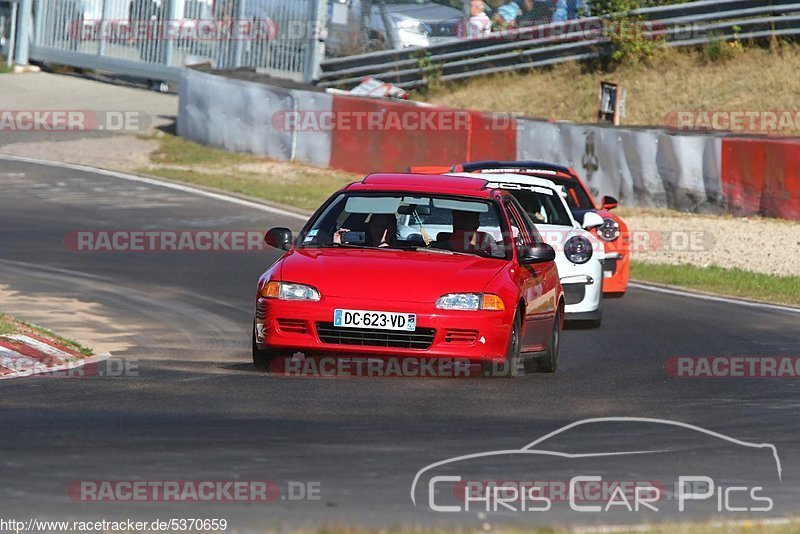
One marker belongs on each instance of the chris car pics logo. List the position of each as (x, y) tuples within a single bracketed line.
[(460, 484)]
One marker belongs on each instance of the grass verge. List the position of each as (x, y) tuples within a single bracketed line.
[(287, 183), (12, 325), (721, 281), (674, 80)]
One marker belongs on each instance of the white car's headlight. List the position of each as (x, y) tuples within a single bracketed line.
[(610, 230), (578, 249), (289, 291), (470, 302), (414, 26)]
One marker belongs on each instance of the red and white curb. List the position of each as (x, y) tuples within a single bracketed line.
[(28, 354)]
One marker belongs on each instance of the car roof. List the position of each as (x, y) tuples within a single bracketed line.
[(529, 166), (469, 185), (494, 180)]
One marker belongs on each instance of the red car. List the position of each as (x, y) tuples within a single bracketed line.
[(614, 233), (400, 265)]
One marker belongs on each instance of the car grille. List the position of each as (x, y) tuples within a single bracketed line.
[(610, 265), (466, 337), (444, 29), (420, 339), (292, 326), (574, 293)]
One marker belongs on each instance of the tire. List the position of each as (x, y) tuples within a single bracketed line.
[(548, 363), (597, 322), (262, 359), (513, 366)]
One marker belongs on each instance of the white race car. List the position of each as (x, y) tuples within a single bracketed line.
[(579, 255)]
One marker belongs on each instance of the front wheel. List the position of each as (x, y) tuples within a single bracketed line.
[(512, 366), (262, 359), (549, 360)]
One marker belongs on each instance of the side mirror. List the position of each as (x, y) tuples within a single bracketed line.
[(609, 202), (279, 238), (592, 220), (539, 253)]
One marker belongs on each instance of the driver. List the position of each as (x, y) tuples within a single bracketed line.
[(382, 230), (467, 238)]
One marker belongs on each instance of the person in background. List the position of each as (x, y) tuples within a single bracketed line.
[(507, 14), (480, 25), (535, 12), (570, 9)]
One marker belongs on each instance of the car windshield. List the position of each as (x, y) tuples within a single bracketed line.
[(577, 199), (409, 221), (543, 206)]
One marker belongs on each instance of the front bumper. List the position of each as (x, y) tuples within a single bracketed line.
[(291, 326), (616, 269), (582, 286)]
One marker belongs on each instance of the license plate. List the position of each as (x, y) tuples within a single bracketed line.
[(407, 322)]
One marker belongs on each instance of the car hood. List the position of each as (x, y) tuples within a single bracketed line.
[(388, 274)]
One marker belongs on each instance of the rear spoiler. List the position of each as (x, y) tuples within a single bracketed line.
[(430, 169)]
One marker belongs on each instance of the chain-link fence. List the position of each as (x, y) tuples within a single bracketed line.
[(280, 37), (8, 18)]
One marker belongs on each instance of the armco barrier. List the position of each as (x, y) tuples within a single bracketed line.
[(239, 115), (641, 167), (233, 114), (762, 177), (411, 134)]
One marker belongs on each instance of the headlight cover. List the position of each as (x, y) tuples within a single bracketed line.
[(610, 230), (413, 26), (578, 249), (289, 291), (470, 302)]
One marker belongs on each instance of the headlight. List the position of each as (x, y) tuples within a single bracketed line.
[(610, 230), (289, 291), (414, 26), (578, 249), (470, 302)]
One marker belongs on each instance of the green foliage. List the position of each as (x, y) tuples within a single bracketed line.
[(431, 72), (628, 33), (719, 49)]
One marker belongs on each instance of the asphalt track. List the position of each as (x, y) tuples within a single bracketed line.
[(196, 410)]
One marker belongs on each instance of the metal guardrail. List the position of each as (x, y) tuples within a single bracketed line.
[(684, 24)]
